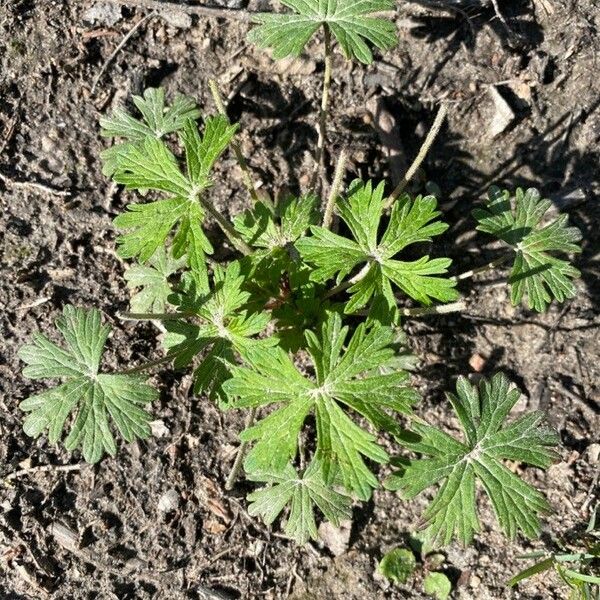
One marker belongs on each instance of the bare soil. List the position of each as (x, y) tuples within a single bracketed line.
[(58, 247)]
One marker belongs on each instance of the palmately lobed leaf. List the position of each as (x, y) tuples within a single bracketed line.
[(97, 398), (146, 163), (536, 274), (224, 329), (346, 377), (304, 493), (348, 21), (152, 282), (411, 221), (157, 121), (457, 465)]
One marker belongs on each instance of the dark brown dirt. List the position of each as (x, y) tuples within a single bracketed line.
[(58, 247)]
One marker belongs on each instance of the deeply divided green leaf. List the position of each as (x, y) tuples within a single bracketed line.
[(97, 398)]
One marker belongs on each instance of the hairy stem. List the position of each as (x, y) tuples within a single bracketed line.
[(173, 316), (336, 186), (433, 132), (346, 284), (324, 108), (232, 235), (239, 458), (241, 159), (439, 309), (423, 311), (491, 265)]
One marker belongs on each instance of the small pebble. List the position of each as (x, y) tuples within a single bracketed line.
[(593, 453), (103, 13), (169, 501), (477, 362)]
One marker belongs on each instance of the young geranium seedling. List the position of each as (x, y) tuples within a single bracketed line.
[(298, 323)]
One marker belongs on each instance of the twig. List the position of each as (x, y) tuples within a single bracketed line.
[(10, 130), (433, 132), (324, 108), (204, 11), (119, 47), (507, 28), (43, 469), (34, 185), (491, 265), (239, 458), (423, 311), (334, 192), (241, 160)]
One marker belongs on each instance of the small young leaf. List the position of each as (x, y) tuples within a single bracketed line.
[(97, 397), (304, 493), (348, 20), (398, 565), (536, 274), (225, 327), (458, 464), (437, 585), (261, 227), (202, 152), (347, 379), (153, 281), (157, 121), (274, 272)]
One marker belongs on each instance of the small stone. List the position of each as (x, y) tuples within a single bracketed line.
[(593, 453), (256, 548), (475, 581), (103, 13), (477, 362), (503, 113), (169, 501), (159, 429), (336, 539), (176, 18)]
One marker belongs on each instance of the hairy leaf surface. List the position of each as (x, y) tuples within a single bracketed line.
[(458, 465), (225, 326), (345, 378), (152, 282), (304, 493), (96, 398), (146, 163), (157, 121), (348, 21), (411, 221), (537, 274)]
